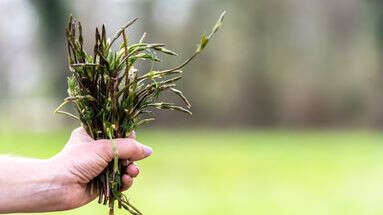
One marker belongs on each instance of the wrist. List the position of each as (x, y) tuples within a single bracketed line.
[(54, 184), (61, 183), (33, 179)]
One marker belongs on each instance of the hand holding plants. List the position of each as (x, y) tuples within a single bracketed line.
[(113, 98), (83, 158), (62, 182)]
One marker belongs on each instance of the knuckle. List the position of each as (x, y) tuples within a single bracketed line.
[(133, 135), (74, 132), (132, 149), (105, 148)]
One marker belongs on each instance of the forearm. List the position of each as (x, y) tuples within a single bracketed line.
[(29, 185)]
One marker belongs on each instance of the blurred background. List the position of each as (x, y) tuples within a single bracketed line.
[(287, 101)]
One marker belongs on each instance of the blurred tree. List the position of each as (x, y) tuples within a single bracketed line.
[(52, 16), (376, 6), (259, 91)]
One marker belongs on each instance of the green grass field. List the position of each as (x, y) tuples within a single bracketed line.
[(243, 172)]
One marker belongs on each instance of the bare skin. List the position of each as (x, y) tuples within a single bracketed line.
[(59, 183)]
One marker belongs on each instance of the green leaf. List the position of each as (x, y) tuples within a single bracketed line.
[(166, 51), (219, 23), (204, 41), (147, 56)]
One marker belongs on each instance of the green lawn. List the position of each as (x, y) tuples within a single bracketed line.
[(244, 172)]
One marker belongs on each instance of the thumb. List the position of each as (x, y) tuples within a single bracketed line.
[(132, 135), (127, 148)]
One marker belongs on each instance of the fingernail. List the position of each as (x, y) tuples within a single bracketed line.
[(147, 151), (133, 170)]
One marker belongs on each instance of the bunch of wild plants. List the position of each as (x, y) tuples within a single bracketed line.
[(112, 98)]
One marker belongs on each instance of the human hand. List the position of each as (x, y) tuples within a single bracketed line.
[(83, 158)]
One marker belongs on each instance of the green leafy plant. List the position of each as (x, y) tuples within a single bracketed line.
[(112, 98)]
